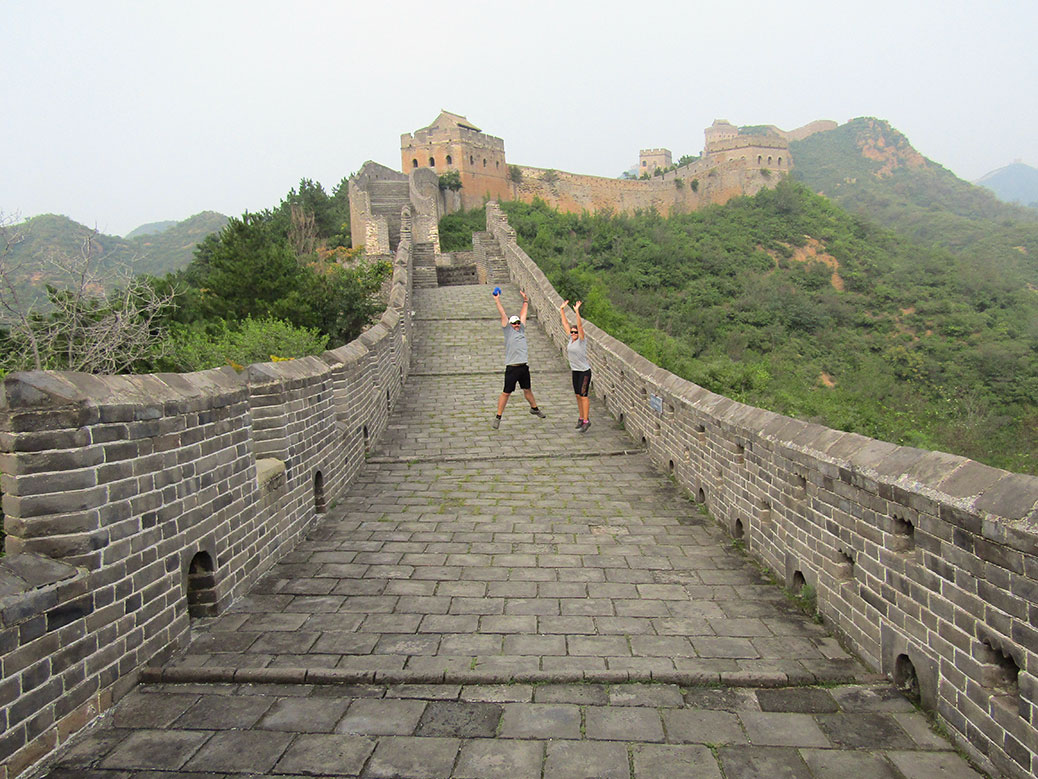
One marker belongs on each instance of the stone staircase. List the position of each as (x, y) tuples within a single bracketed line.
[(424, 266), (497, 267), (387, 200)]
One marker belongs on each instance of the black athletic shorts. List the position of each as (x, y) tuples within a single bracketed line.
[(581, 382), (517, 374)]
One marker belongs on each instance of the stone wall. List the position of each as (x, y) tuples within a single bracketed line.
[(716, 182), (924, 563), (136, 502)]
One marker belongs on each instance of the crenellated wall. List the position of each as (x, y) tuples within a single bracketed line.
[(672, 192), (134, 503), (925, 563)]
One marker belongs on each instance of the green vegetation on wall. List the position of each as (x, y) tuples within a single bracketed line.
[(456, 229), (787, 302)]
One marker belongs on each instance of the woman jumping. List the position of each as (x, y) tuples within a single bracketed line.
[(576, 350)]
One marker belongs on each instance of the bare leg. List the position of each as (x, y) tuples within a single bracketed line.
[(585, 407), (501, 401), (529, 398)]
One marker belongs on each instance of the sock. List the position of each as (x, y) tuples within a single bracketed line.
[(498, 416)]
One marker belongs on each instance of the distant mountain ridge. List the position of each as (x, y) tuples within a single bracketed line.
[(48, 238), (1016, 183), (150, 229), (871, 169)]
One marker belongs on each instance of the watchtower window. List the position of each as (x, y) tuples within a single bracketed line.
[(449, 160), (414, 163), (432, 162), (472, 160), (484, 162), (759, 159), (780, 162)]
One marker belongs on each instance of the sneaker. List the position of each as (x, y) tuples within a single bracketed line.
[(580, 424), (538, 413), (585, 426), (495, 423)]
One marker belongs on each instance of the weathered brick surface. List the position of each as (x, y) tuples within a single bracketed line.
[(114, 484), (912, 554)]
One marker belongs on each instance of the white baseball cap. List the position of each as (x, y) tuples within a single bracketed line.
[(513, 319)]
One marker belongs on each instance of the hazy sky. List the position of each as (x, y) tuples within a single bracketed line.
[(121, 113)]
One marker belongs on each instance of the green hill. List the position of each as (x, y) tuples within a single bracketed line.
[(149, 229), (174, 248), (871, 169), (789, 302), (47, 242)]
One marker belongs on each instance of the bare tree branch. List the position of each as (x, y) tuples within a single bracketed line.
[(98, 322)]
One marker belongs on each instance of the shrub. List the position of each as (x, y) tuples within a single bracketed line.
[(200, 346), (450, 180)]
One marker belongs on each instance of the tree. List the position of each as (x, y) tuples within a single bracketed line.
[(247, 269), (450, 180), (94, 323)]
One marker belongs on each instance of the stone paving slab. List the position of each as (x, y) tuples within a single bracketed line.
[(469, 732), (523, 602), (432, 568)]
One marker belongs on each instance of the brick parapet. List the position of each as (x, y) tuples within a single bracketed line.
[(716, 181), (115, 487), (914, 556)]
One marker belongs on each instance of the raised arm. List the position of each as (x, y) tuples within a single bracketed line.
[(562, 313), (522, 311), (504, 316), (580, 322)]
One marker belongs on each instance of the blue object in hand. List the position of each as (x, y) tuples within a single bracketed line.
[(497, 291)]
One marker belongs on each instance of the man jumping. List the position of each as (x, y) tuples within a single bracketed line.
[(517, 371)]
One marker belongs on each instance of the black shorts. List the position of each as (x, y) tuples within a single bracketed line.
[(582, 382), (516, 374)]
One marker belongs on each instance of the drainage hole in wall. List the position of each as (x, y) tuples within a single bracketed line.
[(844, 566), (904, 535), (319, 505), (905, 678), (201, 586)]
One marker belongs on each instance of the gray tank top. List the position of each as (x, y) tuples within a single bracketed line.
[(515, 345), (577, 352)]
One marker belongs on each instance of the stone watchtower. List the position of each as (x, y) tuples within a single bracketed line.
[(763, 146), (650, 159), (720, 130), (452, 142)]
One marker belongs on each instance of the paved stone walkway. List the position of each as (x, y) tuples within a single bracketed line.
[(526, 602)]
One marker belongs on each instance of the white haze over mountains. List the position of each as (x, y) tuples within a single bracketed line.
[(118, 114)]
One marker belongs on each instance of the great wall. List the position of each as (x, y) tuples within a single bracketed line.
[(139, 507)]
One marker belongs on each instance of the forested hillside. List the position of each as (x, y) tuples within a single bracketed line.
[(45, 244), (788, 302), (276, 284), (871, 169)]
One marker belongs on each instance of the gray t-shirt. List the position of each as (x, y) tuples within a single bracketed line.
[(515, 345), (577, 353)]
